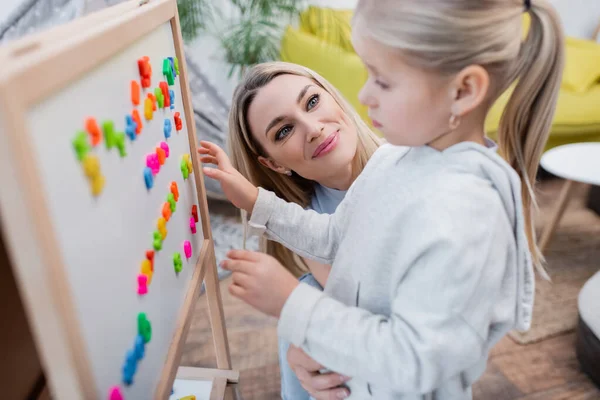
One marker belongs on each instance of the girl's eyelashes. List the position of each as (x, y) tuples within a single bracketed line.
[(312, 102), (382, 85), (283, 132)]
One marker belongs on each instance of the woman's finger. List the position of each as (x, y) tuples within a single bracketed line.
[(327, 381), (333, 394)]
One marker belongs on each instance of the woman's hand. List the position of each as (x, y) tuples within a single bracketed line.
[(238, 189), (319, 386), (259, 280)]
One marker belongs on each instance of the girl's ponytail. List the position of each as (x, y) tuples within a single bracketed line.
[(527, 118)]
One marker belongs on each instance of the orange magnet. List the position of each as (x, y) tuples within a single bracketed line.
[(153, 98), (166, 211), (135, 93), (145, 70), (94, 130), (160, 153), (195, 212), (175, 190), (136, 117), (164, 87)]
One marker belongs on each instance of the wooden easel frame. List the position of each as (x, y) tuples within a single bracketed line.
[(33, 68)]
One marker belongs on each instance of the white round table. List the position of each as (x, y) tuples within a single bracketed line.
[(577, 162)]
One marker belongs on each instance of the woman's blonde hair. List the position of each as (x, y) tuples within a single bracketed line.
[(245, 150), (446, 36)]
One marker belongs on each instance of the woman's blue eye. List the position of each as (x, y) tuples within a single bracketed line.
[(312, 102), (283, 132)]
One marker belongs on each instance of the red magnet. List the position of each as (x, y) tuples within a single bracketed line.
[(164, 87), (178, 125), (195, 212), (145, 71)]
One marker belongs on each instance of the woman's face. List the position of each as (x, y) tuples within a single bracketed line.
[(303, 129)]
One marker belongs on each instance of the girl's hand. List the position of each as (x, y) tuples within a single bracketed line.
[(238, 189), (259, 280), (320, 386)]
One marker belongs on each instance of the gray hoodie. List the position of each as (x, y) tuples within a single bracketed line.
[(431, 268)]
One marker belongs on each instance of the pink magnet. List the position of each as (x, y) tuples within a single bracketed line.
[(192, 224), (165, 147), (153, 163), (187, 249), (142, 284), (115, 393)]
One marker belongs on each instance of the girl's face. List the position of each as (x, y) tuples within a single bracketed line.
[(303, 129), (411, 107)]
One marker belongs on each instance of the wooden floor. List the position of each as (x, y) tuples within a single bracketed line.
[(544, 371)]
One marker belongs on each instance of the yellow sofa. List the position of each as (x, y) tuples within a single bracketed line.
[(322, 43)]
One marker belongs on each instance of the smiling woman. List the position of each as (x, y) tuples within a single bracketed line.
[(292, 132)]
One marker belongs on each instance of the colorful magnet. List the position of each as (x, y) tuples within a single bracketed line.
[(177, 263), (175, 190), (148, 108), (172, 98), (114, 393), (120, 143), (142, 284), (153, 163), (188, 161), (187, 249), (138, 121), (91, 166), (176, 63), (129, 368), (148, 178), (195, 212), (144, 327), (167, 128), (139, 348), (172, 66), (108, 127), (91, 126), (145, 70), (81, 145), (184, 168), (178, 123), (161, 225), (165, 91), (130, 127), (165, 147), (192, 225), (98, 185), (157, 241), (166, 211), (135, 93), (160, 98), (153, 98), (147, 270), (160, 154), (172, 203), (167, 71), (150, 257)]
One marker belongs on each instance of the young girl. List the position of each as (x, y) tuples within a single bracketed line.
[(432, 248), (275, 159)]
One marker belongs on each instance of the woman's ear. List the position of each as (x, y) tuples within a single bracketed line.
[(469, 89), (272, 165)]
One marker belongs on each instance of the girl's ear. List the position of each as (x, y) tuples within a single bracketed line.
[(469, 89), (272, 165)]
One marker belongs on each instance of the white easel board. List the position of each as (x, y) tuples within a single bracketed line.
[(97, 214)]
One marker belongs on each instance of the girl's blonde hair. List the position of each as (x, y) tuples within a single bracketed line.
[(245, 150), (448, 35)]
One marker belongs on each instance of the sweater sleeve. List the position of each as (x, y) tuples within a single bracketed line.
[(440, 311), (305, 232)]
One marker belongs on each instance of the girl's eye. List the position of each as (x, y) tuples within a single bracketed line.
[(312, 102), (283, 132), (381, 84)]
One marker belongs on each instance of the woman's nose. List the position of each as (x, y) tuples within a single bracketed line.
[(315, 131)]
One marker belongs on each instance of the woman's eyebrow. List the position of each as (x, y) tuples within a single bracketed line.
[(302, 93), (273, 123)]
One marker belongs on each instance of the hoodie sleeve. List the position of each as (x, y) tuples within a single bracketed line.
[(445, 283), (305, 232)]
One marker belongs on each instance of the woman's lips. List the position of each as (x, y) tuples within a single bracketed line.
[(328, 145)]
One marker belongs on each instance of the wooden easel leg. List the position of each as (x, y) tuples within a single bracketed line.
[(557, 213), (217, 316), (218, 389)]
